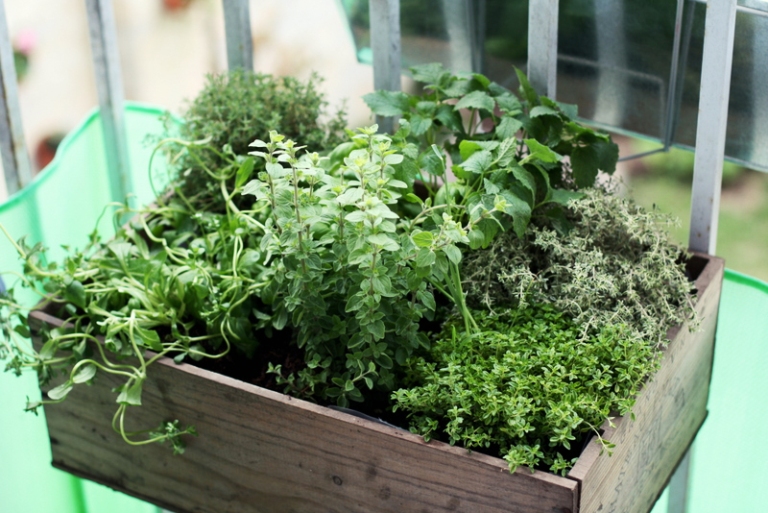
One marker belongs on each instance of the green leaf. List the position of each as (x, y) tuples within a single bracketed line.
[(508, 127), (148, 338), (384, 361), (427, 299), (60, 392), (425, 258), (476, 238), (478, 161), (431, 163), (423, 239), (85, 373), (412, 198), (541, 110), (607, 155), (420, 124), (453, 253), (490, 187), (585, 163), (482, 80), (525, 178), (520, 211), (245, 171), (467, 148), (476, 100), (381, 239), (563, 197), (387, 103), (449, 118), (541, 152), (377, 329), (508, 103), (75, 293), (431, 73), (131, 395), (527, 90), (393, 159)]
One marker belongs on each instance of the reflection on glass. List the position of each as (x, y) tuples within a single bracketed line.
[(621, 61)]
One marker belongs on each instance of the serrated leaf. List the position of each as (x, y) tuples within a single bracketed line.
[(420, 124), (423, 239), (508, 103), (584, 163), (467, 148), (525, 178), (607, 155), (428, 73), (490, 187), (476, 100), (387, 103), (245, 171), (508, 127), (431, 163), (60, 392), (449, 118), (478, 162), (85, 373), (520, 211)]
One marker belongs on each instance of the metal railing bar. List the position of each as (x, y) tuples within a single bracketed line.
[(542, 46), (109, 85), (720, 28), (237, 28), (16, 165), (385, 44)]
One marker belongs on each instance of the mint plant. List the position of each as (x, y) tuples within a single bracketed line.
[(528, 150)]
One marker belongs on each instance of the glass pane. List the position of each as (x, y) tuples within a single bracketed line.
[(616, 60)]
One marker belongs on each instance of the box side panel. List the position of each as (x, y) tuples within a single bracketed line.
[(259, 451), (669, 412)]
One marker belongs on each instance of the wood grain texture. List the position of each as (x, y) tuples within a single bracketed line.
[(260, 451), (669, 412)]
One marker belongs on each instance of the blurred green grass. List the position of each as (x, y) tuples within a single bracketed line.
[(742, 237)]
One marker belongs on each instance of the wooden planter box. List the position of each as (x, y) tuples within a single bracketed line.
[(260, 451)]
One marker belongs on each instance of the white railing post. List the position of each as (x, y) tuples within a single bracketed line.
[(237, 26), (719, 29), (109, 84), (16, 165), (385, 44), (542, 46)]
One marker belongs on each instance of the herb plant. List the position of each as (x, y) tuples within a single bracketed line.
[(236, 107), (529, 151), (526, 384)]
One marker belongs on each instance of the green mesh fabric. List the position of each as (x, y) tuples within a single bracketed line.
[(729, 460), (61, 207)]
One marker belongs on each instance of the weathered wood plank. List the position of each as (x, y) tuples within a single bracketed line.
[(261, 451), (669, 412)]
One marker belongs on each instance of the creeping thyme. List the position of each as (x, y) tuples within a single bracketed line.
[(526, 384)]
